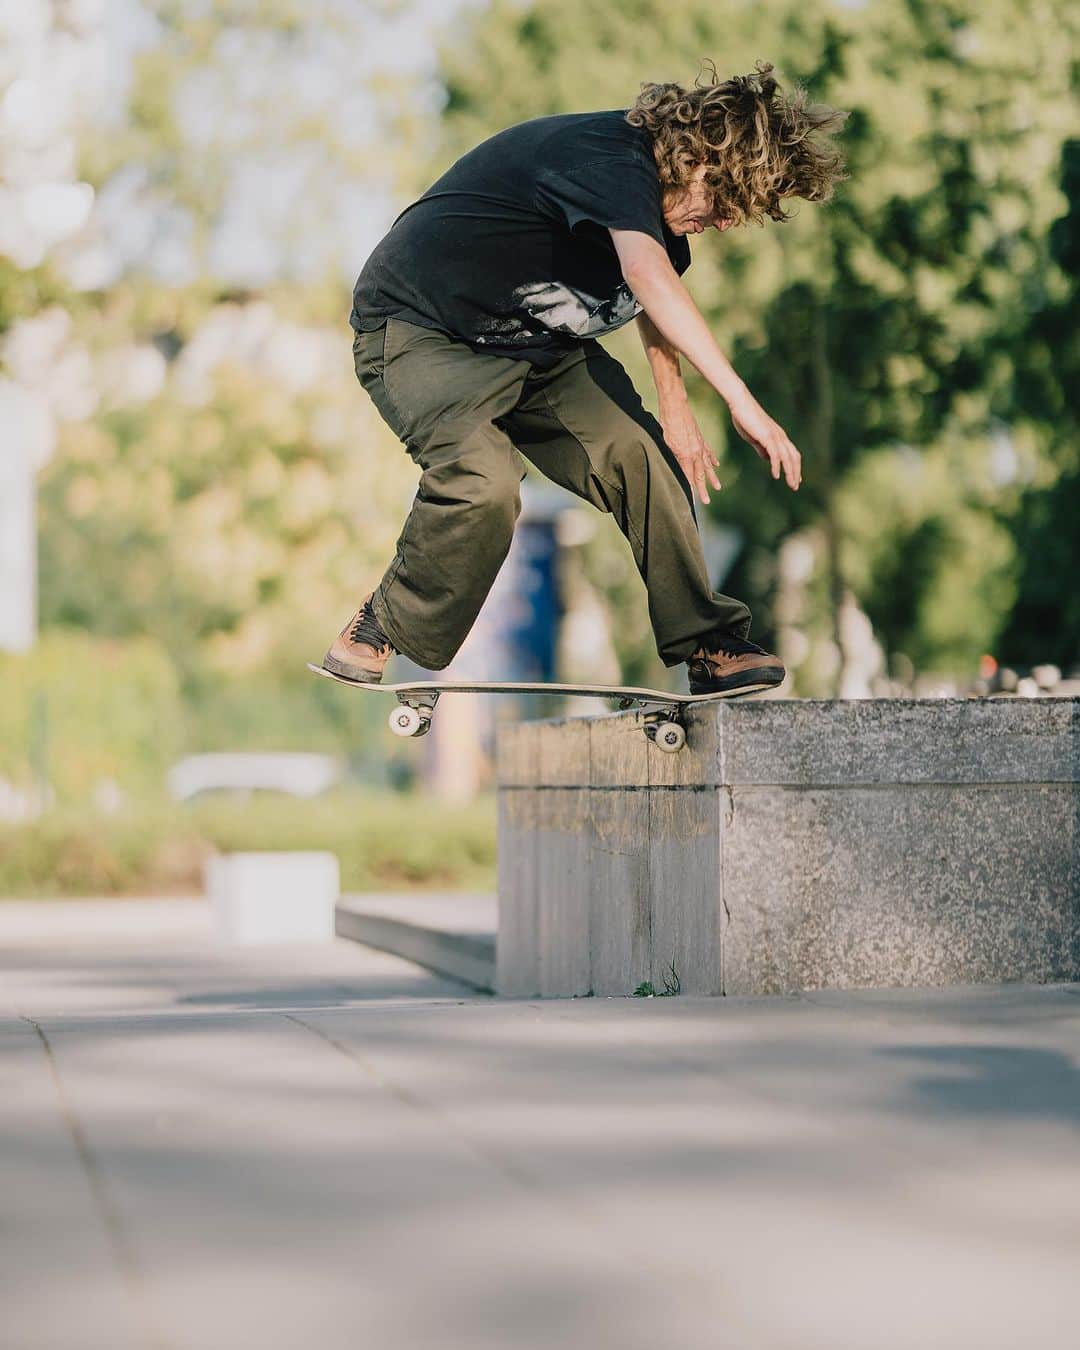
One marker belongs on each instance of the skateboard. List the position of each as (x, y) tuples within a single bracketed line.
[(663, 711)]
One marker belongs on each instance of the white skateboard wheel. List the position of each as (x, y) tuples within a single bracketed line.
[(405, 721), (670, 736)]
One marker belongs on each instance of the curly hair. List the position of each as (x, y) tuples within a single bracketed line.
[(758, 146)]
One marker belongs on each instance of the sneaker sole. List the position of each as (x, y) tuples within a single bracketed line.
[(354, 673), (747, 682)]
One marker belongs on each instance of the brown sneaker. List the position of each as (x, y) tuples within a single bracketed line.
[(727, 664), (361, 650)]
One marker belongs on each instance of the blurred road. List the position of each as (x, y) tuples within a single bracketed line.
[(205, 1148)]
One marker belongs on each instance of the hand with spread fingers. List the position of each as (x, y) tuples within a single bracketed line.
[(688, 445), (768, 438)]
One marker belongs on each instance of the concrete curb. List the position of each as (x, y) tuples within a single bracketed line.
[(450, 935)]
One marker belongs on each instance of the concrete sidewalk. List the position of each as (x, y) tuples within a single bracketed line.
[(326, 1147)]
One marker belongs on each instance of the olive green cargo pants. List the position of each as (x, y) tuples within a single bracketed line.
[(467, 418)]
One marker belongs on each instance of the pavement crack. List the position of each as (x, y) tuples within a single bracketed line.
[(123, 1251), (563, 1205), (519, 1176)]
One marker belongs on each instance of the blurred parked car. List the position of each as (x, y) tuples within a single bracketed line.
[(298, 773)]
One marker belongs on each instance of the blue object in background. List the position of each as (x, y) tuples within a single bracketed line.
[(526, 622)]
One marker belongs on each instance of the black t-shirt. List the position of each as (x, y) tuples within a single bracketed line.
[(509, 251)]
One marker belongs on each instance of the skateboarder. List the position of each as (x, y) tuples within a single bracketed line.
[(476, 321)]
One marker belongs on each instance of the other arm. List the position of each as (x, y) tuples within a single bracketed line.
[(672, 313), (681, 430)]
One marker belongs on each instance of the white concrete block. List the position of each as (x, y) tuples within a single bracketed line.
[(273, 897)]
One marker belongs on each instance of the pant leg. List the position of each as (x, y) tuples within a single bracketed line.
[(584, 426), (442, 400)]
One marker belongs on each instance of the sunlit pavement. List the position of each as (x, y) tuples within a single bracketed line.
[(326, 1147)]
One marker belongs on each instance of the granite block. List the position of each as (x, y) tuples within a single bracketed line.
[(851, 742), (793, 845), (918, 884)]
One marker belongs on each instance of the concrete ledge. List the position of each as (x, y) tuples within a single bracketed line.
[(451, 934), (792, 845)]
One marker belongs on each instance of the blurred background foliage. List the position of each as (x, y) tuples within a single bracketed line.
[(153, 847), (221, 492)]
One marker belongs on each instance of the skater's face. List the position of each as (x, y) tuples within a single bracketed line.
[(690, 210)]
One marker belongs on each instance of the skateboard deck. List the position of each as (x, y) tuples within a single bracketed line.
[(662, 723)]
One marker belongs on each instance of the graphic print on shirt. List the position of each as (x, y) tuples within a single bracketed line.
[(566, 309)]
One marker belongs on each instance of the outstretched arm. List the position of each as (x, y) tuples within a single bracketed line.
[(648, 272)]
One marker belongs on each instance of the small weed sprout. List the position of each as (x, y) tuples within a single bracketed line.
[(672, 985)]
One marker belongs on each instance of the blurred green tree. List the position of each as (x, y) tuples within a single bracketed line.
[(1046, 524), (235, 512)]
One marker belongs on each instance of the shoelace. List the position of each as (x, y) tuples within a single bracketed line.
[(733, 646), (366, 629)]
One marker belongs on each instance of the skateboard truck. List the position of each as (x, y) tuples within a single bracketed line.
[(661, 722)]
